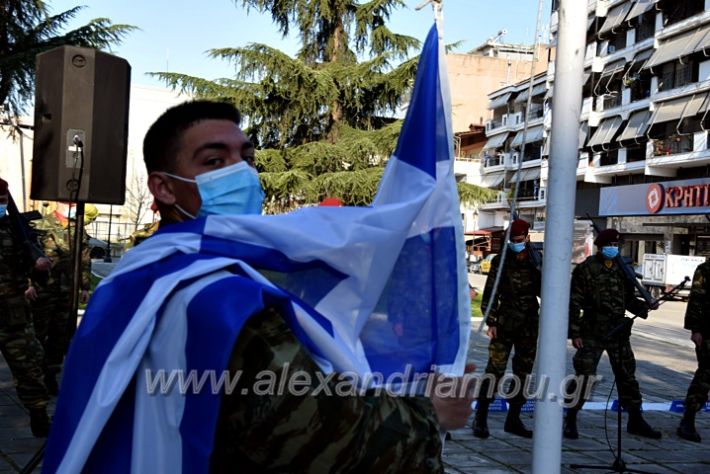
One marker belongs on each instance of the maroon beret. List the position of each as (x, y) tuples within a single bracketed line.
[(606, 237), (519, 227), (3, 186)]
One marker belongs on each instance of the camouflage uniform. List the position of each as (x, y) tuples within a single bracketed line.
[(51, 309), (315, 432), (600, 296), (697, 319), (18, 343), (514, 314)]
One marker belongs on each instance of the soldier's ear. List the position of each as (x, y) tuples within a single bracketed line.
[(162, 188)]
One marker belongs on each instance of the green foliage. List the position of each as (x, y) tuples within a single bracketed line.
[(26, 29), (319, 118), (473, 195)]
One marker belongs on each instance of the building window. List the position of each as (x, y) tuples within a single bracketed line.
[(646, 26), (610, 157), (533, 151), (640, 84), (675, 11), (675, 74), (617, 42), (636, 153)]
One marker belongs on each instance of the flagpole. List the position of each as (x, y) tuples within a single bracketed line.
[(566, 108)]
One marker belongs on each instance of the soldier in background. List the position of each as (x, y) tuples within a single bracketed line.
[(697, 320), (18, 344), (50, 311), (512, 324), (600, 297)]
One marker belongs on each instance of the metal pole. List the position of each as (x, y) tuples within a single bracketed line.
[(76, 265), (566, 108), (107, 257)]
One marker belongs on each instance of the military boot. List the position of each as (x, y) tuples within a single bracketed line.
[(39, 422), (480, 422), (513, 423), (570, 425), (638, 426), (686, 430)]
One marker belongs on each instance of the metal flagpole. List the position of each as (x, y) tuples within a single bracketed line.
[(552, 355)]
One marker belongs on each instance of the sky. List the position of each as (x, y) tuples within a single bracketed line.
[(174, 35)]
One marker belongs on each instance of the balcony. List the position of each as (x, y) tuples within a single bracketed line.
[(500, 202), (678, 151), (492, 163), (673, 145)]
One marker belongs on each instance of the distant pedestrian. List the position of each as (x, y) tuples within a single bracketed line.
[(697, 320)]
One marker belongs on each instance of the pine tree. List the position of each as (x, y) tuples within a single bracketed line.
[(322, 119)]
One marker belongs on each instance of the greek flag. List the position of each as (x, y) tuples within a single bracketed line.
[(373, 290)]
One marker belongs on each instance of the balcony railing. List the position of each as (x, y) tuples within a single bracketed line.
[(612, 100), (492, 160), (673, 145)]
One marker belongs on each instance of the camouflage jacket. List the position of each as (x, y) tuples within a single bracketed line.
[(697, 313), (14, 271), (56, 245), (516, 299), (600, 296), (323, 430)]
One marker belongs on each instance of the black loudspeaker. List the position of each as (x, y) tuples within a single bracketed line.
[(81, 108)]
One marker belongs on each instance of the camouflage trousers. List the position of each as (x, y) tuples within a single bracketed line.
[(22, 352), (50, 313), (700, 385), (524, 342), (623, 364)]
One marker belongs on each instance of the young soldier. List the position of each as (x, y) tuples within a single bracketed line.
[(600, 297), (512, 324), (697, 320), (18, 344)]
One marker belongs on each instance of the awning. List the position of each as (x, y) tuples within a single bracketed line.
[(537, 90), (681, 45), (546, 147), (526, 175), (590, 21), (613, 68), (640, 7), (605, 132), (676, 109), (534, 135), (499, 101), (496, 141), (615, 17), (492, 180), (637, 126)]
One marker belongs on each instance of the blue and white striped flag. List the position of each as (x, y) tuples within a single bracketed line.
[(375, 290)]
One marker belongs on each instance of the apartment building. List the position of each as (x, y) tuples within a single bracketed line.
[(644, 155)]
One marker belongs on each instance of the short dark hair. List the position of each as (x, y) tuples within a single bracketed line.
[(162, 141)]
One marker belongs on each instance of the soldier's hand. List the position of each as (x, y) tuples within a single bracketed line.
[(84, 297), (492, 332), (452, 400), (577, 343), (43, 264), (697, 338), (31, 293)]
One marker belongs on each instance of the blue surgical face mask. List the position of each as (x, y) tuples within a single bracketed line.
[(610, 252), (232, 190), (3, 209), (516, 247)]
